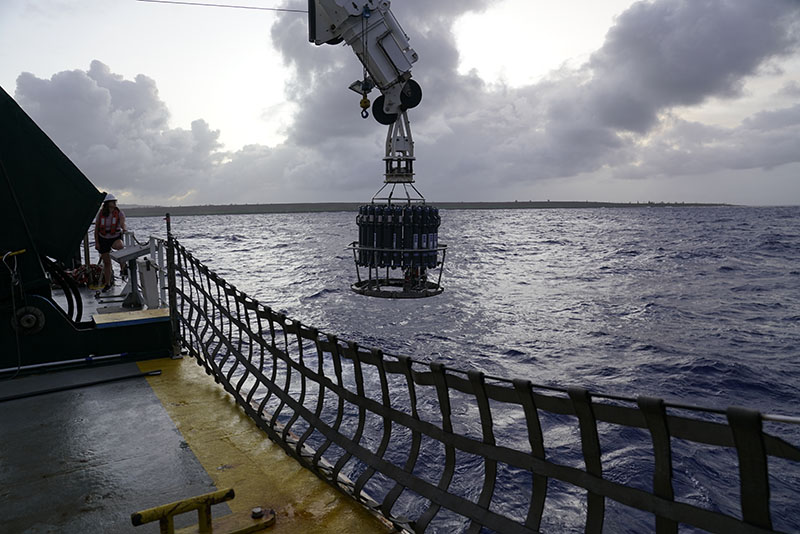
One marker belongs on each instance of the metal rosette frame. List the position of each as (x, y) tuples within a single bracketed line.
[(398, 245), (398, 231), (416, 282)]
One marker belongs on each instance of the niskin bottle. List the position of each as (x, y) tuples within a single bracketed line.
[(362, 230), (378, 235), (417, 226), (424, 233), (397, 235), (386, 257), (370, 234), (408, 239)]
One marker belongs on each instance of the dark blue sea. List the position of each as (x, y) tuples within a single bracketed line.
[(695, 305)]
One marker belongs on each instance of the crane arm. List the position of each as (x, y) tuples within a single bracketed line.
[(370, 28)]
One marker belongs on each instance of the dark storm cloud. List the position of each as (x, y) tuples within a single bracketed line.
[(681, 52), (764, 141), (328, 119), (790, 89), (473, 140), (774, 120), (612, 113)]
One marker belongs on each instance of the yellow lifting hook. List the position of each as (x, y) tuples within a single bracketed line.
[(365, 106)]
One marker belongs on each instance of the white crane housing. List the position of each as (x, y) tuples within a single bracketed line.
[(370, 28)]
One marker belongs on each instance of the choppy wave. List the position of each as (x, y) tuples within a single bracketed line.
[(696, 305)]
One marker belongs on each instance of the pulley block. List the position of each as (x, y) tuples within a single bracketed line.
[(411, 95), (28, 320), (387, 119)]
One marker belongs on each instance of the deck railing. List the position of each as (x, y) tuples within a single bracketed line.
[(433, 448)]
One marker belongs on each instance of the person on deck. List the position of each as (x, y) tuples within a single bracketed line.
[(108, 229)]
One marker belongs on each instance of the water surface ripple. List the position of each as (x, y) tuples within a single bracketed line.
[(695, 305)]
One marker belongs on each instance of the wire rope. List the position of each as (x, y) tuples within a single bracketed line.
[(15, 282), (202, 4)]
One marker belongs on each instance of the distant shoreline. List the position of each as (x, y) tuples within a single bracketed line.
[(249, 209)]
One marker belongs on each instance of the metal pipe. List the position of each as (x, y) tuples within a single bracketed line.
[(441, 265), (77, 386), (781, 419), (163, 283), (86, 250), (54, 365)]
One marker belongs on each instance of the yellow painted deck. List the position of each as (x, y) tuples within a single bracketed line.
[(236, 453), (130, 317)]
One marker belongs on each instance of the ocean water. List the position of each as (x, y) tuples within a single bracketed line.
[(694, 305)]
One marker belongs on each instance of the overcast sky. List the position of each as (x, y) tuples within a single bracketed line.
[(662, 100)]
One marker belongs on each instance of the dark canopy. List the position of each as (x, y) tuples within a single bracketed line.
[(46, 202)]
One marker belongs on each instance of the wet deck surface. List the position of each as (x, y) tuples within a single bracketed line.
[(83, 460)]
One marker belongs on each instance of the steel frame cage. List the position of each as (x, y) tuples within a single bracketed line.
[(386, 286)]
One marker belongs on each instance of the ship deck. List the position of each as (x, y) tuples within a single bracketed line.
[(83, 449)]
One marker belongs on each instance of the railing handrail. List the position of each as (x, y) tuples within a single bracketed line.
[(304, 387)]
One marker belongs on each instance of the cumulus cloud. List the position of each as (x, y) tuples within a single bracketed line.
[(117, 131), (616, 113)]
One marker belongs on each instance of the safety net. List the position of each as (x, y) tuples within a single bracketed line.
[(433, 448)]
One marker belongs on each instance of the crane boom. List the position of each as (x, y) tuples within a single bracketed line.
[(370, 28)]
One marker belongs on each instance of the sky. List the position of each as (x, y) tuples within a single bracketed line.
[(614, 100)]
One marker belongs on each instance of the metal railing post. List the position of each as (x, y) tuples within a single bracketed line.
[(172, 289), (86, 257)]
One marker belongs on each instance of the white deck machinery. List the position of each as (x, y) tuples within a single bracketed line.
[(397, 230)]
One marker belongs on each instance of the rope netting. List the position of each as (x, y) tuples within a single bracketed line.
[(433, 448)]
